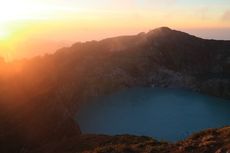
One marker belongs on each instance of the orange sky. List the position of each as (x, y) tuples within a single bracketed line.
[(33, 27)]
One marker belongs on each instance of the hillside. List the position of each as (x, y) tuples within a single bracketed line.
[(40, 96), (208, 141)]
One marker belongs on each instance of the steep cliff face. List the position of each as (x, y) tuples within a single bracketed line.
[(161, 57)]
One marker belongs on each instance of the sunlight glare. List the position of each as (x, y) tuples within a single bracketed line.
[(3, 34)]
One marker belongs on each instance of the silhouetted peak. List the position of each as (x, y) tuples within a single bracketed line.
[(160, 30), (141, 34), (164, 29), (165, 32)]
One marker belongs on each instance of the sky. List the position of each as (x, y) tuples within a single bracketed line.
[(33, 27)]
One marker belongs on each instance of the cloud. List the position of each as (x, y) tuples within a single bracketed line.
[(226, 16)]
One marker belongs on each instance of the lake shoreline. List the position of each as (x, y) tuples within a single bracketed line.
[(153, 112), (209, 140)]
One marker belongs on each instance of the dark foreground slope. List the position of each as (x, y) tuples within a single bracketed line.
[(209, 141), (40, 96)]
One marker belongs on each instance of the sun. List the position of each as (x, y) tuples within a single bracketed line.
[(3, 35), (15, 13), (12, 11)]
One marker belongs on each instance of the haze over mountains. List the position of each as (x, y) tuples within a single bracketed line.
[(40, 96)]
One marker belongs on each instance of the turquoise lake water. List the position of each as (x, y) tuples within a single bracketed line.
[(164, 114)]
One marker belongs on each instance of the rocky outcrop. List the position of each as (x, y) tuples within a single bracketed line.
[(208, 141)]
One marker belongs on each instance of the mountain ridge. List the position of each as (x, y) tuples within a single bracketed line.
[(43, 94), (200, 48)]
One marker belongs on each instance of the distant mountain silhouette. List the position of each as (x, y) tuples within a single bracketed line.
[(40, 96)]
